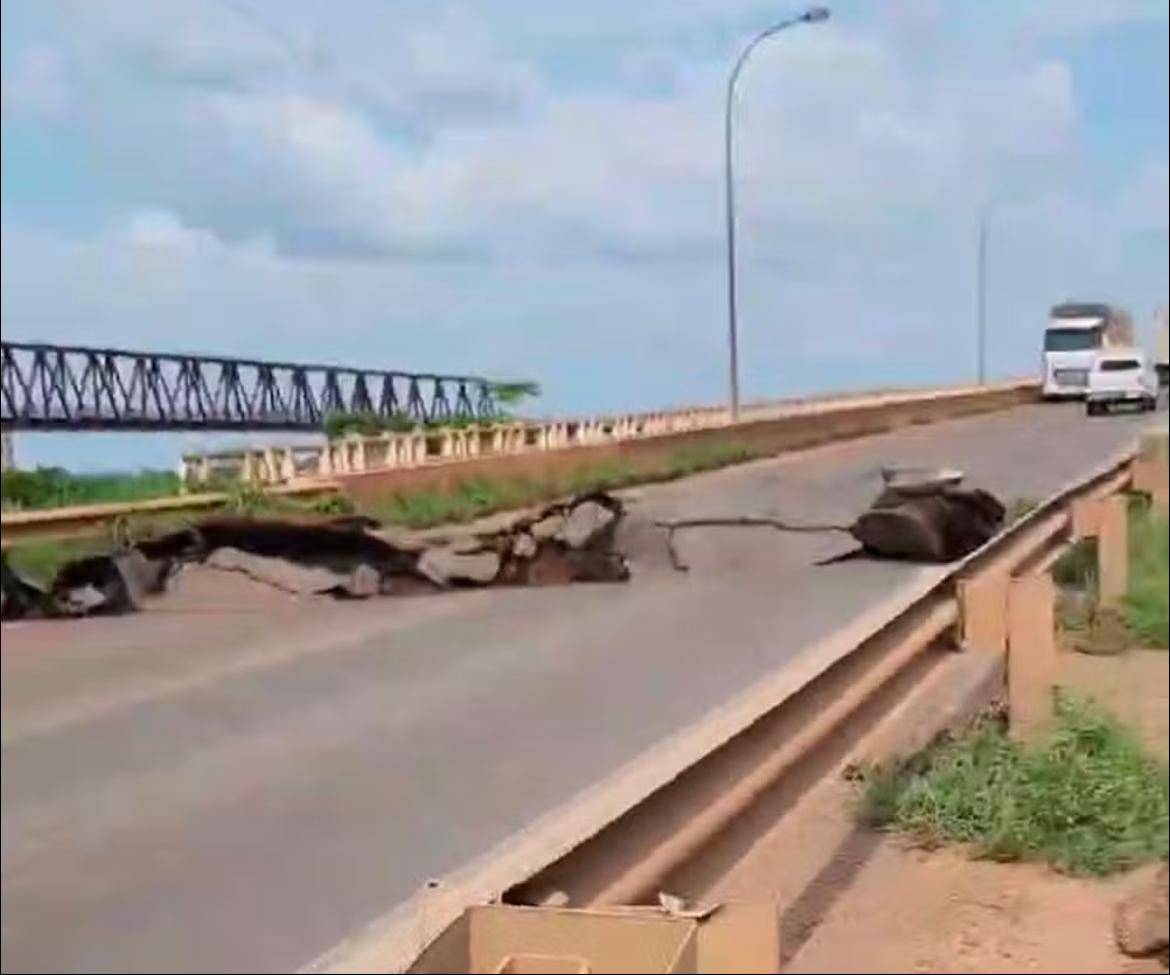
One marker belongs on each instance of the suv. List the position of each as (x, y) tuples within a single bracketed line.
[(1119, 377)]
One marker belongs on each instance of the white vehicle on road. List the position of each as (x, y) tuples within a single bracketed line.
[(1121, 377), (1076, 334)]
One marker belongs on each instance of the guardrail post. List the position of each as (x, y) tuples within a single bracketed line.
[(983, 613), (1151, 473), (1113, 550), (1086, 518), (1031, 606)]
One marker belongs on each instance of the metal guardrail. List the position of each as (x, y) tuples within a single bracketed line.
[(58, 387), (616, 843), (90, 519)]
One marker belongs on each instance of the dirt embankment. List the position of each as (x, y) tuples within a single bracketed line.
[(914, 910)]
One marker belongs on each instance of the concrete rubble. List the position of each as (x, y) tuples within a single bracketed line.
[(348, 558)]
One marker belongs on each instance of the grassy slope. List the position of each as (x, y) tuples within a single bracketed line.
[(1088, 799)]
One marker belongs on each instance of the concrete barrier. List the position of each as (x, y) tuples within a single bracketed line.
[(426, 447), (794, 427)]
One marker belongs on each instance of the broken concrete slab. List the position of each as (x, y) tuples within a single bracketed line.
[(548, 527), (284, 574), (570, 541), (448, 566), (365, 581), (586, 524), (143, 576), (524, 546)]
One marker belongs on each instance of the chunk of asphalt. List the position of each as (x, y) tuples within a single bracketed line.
[(365, 581), (20, 597), (548, 527), (105, 584), (283, 574), (586, 524), (446, 566), (524, 546)]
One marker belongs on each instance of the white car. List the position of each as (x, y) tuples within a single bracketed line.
[(1121, 377)]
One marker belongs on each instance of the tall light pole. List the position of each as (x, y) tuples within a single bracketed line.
[(981, 299), (811, 16)]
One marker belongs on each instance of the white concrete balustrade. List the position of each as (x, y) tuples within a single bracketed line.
[(288, 464)]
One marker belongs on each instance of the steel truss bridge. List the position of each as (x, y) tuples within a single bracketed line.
[(59, 387)]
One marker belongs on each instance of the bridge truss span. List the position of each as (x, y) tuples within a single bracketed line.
[(57, 387)]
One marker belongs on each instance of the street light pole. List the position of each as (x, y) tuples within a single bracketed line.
[(981, 300), (811, 16)]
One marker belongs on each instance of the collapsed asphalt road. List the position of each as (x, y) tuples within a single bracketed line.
[(237, 785), (569, 541), (925, 516)]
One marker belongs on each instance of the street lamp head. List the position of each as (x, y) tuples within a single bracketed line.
[(815, 15)]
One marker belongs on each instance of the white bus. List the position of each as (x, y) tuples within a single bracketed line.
[(1075, 335)]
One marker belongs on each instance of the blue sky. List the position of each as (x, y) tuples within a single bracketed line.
[(525, 189)]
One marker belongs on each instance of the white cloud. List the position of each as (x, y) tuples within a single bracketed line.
[(1144, 203), (536, 190), (1080, 17), (163, 230), (38, 85), (829, 129)]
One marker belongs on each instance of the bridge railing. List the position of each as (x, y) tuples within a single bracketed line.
[(287, 464)]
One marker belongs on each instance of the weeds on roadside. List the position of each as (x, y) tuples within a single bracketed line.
[(1146, 602), (476, 497), (1087, 799), (55, 487)]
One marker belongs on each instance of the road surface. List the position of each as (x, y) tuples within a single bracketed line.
[(239, 786)]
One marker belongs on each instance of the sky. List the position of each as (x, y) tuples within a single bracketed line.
[(525, 189)]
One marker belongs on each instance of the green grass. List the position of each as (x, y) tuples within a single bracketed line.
[(1145, 611), (39, 561), (475, 497), (54, 487), (1088, 799), (1077, 568), (1146, 602)]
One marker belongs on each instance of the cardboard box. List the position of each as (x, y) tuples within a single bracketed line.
[(737, 937)]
